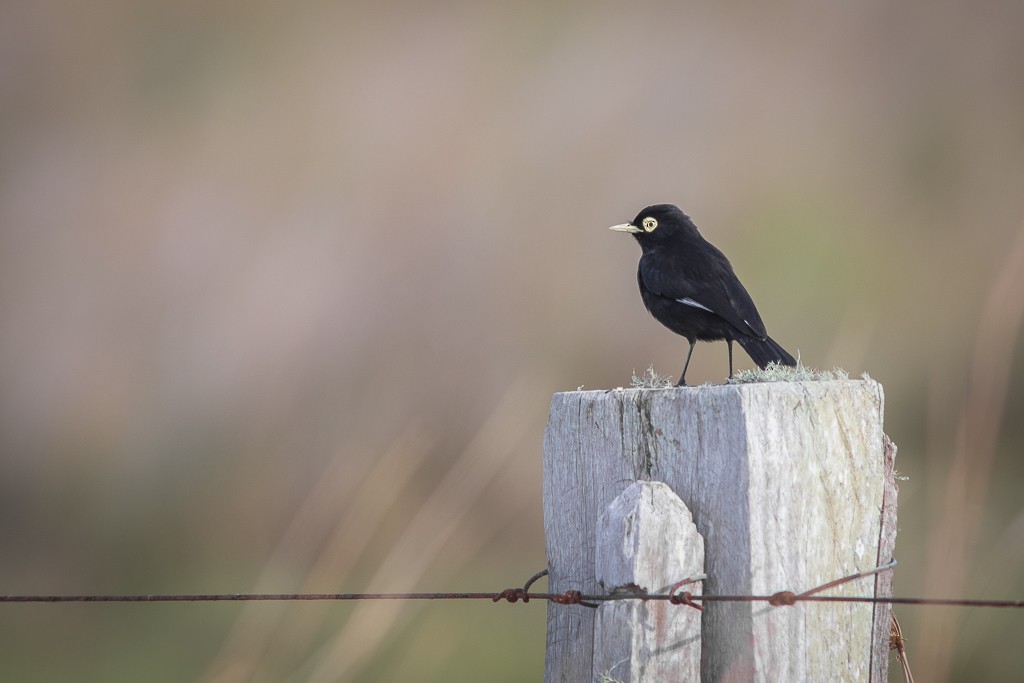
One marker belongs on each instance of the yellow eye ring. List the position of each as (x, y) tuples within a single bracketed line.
[(649, 224)]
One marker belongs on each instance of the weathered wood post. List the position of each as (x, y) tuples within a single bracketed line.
[(791, 486)]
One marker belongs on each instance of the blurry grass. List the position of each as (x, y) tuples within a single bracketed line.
[(298, 641), (958, 509), (367, 501)]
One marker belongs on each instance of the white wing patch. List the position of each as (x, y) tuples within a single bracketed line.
[(690, 302)]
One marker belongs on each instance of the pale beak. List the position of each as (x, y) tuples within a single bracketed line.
[(626, 227)]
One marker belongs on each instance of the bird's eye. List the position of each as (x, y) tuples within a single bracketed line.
[(650, 224)]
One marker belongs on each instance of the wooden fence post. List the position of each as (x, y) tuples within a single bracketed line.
[(791, 486), (646, 543)]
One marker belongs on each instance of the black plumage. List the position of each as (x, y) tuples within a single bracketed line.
[(689, 286)]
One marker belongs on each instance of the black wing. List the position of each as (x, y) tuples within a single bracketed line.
[(712, 286)]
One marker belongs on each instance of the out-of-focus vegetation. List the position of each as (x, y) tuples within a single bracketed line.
[(285, 288)]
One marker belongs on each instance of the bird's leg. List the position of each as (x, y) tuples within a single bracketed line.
[(682, 378), (730, 357)]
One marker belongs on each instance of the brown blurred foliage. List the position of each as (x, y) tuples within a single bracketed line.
[(285, 289)]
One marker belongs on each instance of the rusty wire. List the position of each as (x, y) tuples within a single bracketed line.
[(569, 597)]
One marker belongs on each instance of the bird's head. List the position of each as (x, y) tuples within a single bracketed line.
[(658, 223)]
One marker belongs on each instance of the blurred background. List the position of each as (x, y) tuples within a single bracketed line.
[(285, 289)]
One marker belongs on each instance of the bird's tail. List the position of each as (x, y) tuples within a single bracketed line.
[(764, 351)]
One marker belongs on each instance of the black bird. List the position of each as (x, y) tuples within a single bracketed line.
[(689, 286)]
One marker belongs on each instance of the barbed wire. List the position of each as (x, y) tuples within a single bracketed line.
[(782, 598), (569, 597)]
